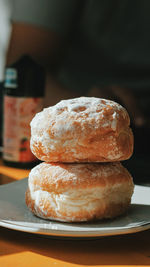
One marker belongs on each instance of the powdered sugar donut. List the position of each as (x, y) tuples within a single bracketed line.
[(79, 192), (84, 129)]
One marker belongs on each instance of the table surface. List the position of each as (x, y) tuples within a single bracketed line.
[(24, 249)]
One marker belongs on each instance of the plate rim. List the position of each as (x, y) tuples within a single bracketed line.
[(69, 233), (59, 233)]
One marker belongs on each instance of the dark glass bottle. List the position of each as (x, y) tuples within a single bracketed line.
[(23, 98)]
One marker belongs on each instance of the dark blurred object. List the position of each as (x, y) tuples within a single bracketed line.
[(142, 140), (139, 167), (23, 97), (139, 163)]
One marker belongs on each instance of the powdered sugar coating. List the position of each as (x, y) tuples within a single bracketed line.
[(79, 192), (73, 131), (61, 177)]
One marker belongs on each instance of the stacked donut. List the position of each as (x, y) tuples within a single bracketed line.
[(81, 142)]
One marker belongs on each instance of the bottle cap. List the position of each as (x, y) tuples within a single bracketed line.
[(31, 77)]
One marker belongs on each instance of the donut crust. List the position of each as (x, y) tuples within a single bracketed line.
[(84, 129), (79, 192)]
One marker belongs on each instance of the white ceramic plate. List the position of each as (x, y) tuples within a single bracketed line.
[(15, 215)]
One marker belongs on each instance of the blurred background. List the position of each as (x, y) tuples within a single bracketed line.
[(5, 29), (95, 48)]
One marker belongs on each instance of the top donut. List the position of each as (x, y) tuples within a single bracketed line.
[(84, 129)]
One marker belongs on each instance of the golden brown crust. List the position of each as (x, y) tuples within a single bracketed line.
[(84, 129), (79, 192)]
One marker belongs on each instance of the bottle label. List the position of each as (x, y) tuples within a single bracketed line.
[(18, 113)]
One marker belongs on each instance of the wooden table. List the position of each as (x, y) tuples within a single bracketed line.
[(18, 249)]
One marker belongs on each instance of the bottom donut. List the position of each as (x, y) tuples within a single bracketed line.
[(79, 192)]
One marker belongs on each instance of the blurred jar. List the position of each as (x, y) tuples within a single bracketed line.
[(23, 97)]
